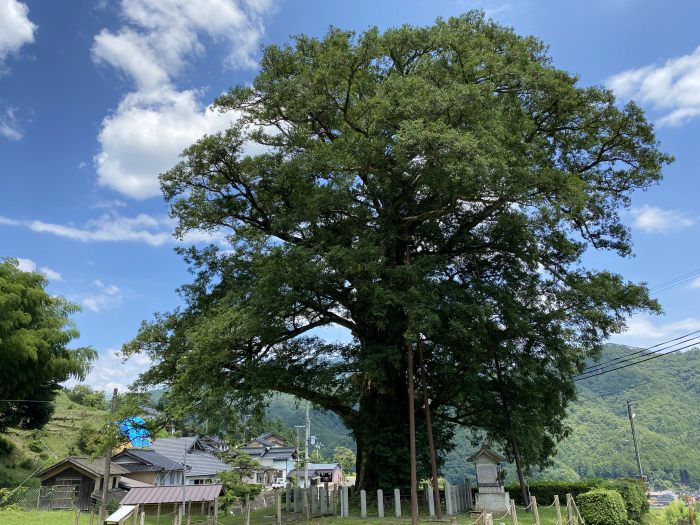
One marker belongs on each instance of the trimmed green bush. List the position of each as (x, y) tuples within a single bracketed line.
[(545, 491), (634, 495), (602, 507)]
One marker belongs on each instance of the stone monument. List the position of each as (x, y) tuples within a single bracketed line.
[(492, 496)]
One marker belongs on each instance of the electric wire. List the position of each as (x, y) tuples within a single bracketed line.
[(656, 356), (627, 357)]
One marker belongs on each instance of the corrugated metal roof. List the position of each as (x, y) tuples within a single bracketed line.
[(171, 494)]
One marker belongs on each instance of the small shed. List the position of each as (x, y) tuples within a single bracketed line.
[(73, 481), (201, 500)]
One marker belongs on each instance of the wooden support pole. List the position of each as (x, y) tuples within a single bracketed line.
[(143, 517), (189, 512), (513, 513), (380, 503), (533, 502), (92, 516), (569, 511), (557, 506)]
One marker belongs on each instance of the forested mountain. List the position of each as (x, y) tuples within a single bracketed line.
[(667, 396)]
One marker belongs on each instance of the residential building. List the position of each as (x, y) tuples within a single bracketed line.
[(276, 462), (148, 466), (202, 466), (318, 473), (267, 439)]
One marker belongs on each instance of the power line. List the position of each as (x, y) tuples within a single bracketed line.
[(627, 357), (581, 378), (676, 281)]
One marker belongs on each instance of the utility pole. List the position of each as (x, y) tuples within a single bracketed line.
[(307, 425), (634, 440), (412, 436), (184, 481), (108, 463)]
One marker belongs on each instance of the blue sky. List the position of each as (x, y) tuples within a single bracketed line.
[(98, 97)]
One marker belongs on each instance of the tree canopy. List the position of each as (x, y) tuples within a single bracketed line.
[(442, 182), (35, 331)]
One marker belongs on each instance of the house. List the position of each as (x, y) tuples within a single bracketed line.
[(276, 462), (214, 444), (202, 466), (318, 473), (148, 466), (76, 481), (267, 439)]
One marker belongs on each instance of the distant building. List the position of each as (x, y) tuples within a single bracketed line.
[(202, 466), (318, 473), (276, 462), (267, 439)]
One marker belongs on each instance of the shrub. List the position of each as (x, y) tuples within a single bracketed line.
[(602, 507), (35, 445), (545, 491), (675, 512), (6, 447), (634, 495)]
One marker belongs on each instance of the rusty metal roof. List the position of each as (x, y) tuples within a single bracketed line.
[(171, 494)]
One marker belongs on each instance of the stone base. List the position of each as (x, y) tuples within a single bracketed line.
[(496, 503)]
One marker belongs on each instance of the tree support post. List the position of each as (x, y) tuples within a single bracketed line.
[(533, 501), (557, 506)]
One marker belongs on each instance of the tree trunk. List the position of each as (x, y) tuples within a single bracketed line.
[(429, 430), (412, 436), (519, 468)]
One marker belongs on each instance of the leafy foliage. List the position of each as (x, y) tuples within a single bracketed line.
[(440, 182), (602, 507), (634, 495), (87, 396), (35, 331), (545, 491), (345, 458), (235, 489)]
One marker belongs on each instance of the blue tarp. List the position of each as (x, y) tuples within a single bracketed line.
[(134, 429)]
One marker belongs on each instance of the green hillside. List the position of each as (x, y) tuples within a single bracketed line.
[(667, 393), (34, 450)]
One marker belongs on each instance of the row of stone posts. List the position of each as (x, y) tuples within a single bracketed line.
[(458, 498), (324, 500)]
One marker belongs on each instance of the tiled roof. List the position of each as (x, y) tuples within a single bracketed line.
[(198, 463), (93, 466), (151, 460), (171, 494)]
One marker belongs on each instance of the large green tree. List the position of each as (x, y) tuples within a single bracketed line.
[(440, 182), (35, 331)]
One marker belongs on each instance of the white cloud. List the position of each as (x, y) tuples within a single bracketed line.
[(9, 123), (113, 227), (153, 124), (643, 332), (109, 372), (672, 88), (657, 220), (695, 283), (27, 265), (16, 29), (116, 203), (102, 297)]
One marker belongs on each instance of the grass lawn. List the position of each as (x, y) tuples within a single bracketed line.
[(265, 517)]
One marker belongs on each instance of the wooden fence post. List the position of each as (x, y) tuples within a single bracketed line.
[(569, 511), (513, 513), (92, 516), (535, 510), (143, 517), (380, 503), (397, 502), (557, 506)]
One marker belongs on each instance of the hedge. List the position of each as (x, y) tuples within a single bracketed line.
[(545, 491), (602, 507), (634, 495)]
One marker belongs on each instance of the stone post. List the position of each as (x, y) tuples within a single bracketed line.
[(297, 499), (288, 498), (278, 503), (363, 504), (314, 500), (324, 499), (448, 498), (470, 496), (397, 502), (431, 500), (380, 503), (346, 501)]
